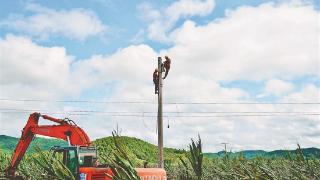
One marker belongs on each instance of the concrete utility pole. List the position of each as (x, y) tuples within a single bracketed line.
[(160, 117), (157, 80)]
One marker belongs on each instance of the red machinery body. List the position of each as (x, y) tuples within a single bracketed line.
[(67, 130), (143, 173)]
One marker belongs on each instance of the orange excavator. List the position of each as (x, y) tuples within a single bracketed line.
[(80, 156)]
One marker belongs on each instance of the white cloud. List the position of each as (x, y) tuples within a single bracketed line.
[(44, 22), (189, 8), (251, 43), (162, 21), (309, 93), (30, 71), (130, 65), (34, 70), (278, 87)]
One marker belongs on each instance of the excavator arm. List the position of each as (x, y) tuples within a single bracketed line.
[(66, 130)]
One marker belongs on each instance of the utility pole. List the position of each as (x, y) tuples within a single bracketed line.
[(225, 147), (160, 117), (157, 80)]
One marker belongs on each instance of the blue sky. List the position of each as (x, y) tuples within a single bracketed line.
[(226, 51), (122, 18)]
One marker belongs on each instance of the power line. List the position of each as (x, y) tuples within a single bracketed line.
[(153, 112), (185, 116), (149, 102), (78, 101), (254, 103)]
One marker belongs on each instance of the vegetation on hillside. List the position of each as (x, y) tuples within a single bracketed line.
[(140, 152), (295, 166), (39, 165), (120, 164), (8, 143), (191, 164), (195, 160), (249, 154)]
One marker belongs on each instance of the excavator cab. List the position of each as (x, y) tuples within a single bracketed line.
[(75, 157), (87, 156)]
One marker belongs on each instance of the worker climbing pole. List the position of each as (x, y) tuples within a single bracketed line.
[(157, 80)]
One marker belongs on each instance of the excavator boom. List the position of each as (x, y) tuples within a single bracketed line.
[(66, 130)]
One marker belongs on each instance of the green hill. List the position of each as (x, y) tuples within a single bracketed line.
[(308, 152), (8, 143), (137, 149)]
